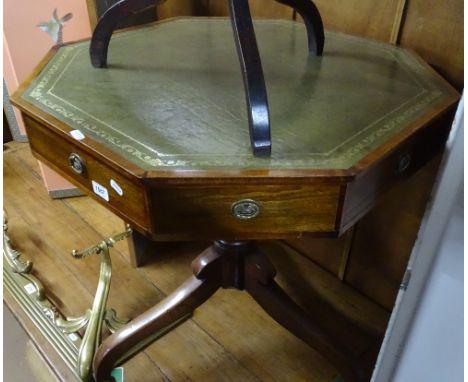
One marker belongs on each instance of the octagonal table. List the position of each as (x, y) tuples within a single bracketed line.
[(160, 138)]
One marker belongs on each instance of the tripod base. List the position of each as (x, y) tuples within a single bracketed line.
[(238, 265)]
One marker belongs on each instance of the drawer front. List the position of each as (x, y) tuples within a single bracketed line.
[(113, 190), (400, 164), (244, 212)]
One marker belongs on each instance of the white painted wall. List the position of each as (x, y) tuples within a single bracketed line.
[(434, 347)]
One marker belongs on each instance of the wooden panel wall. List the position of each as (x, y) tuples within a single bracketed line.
[(360, 17), (97, 7), (173, 8), (326, 252), (434, 29), (258, 8)]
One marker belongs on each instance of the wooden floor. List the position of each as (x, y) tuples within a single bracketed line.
[(229, 338)]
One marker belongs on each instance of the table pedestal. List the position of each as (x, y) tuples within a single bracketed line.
[(233, 264)]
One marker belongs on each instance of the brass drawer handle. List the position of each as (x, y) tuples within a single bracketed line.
[(246, 209), (404, 163), (76, 163)]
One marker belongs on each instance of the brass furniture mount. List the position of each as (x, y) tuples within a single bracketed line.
[(76, 163), (63, 332), (246, 209), (93, 318)]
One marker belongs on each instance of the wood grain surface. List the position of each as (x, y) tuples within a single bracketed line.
[(206, 212), (434, 29), (54, 151), (328, 252), (174, 8), (258, 8)]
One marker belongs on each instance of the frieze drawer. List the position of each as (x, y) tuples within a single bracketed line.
[(114, 190), (238, 212)]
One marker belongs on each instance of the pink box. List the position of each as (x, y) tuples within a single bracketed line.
[(30, 29)]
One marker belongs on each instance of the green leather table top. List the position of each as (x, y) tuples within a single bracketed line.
[(173, 97)]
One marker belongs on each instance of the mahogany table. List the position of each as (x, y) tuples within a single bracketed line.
[(160, 139)]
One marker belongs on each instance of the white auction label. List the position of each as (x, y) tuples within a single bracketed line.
[(77, 134), (73, 337), (30, 288), (116, 187), (100, 190)]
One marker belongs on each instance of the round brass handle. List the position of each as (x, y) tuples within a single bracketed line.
[(246, 209), (404, 163), (76, 163)]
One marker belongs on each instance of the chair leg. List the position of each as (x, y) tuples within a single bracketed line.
[(313, 22), (260, 284), (254, 81), (157, 321), (108, 23)]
